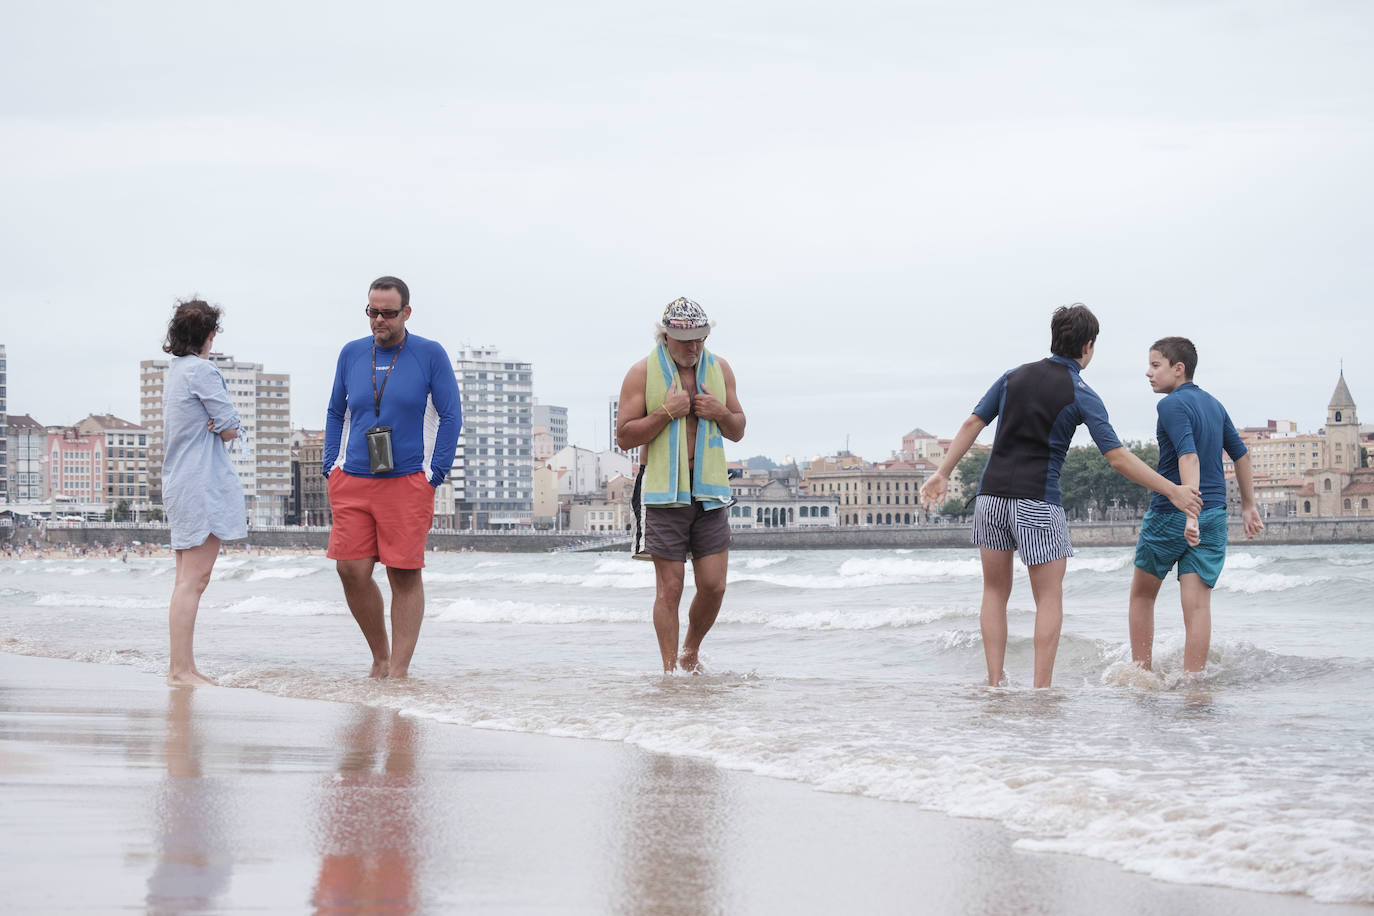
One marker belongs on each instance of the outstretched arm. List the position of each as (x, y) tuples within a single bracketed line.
[(937, 484), (1249, 512), (1127, 464)]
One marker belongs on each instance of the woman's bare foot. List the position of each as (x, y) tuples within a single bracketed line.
[(687, 661), (380, 668)]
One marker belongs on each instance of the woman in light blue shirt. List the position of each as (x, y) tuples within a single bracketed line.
[(200, 488)]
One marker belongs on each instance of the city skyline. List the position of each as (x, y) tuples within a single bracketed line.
[(880, 204)]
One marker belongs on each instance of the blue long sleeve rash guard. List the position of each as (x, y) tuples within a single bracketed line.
[(421, 403)]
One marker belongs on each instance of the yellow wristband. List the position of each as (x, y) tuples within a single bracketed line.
[(668, 412)]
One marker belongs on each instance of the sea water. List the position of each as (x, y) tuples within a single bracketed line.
[(852, 671)]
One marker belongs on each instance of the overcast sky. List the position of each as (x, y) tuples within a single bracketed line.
[(880, 203)]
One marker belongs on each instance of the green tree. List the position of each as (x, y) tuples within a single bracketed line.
[(121, 511), (970, 469), (1087, 481), (955, 507), (154, 515)]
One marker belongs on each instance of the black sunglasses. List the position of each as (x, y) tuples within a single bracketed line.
[(388, 314)]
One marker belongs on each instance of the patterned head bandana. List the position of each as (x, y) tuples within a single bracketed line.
[(684, 319)]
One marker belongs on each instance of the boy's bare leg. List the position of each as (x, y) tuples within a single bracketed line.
[(1144, 590), (1047, 585), (1197, 621), (992, 617)]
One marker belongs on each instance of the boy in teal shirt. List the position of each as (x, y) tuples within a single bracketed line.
[(1193, 431)]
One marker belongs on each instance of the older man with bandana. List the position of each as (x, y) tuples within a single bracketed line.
[(677, 405)]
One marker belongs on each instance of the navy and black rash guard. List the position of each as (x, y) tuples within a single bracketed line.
[(1041, 404)]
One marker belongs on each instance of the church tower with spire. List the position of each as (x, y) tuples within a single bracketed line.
[(1342, 430)]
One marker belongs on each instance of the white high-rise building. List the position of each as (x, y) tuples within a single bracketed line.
[(613, 417), (493, 483), (262, 457), (555, 420)]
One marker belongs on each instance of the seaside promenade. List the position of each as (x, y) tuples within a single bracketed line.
[(1085, 534)]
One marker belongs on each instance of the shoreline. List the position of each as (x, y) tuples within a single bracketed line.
[(306, 541), (233, 799)]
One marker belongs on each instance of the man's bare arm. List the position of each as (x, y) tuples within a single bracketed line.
[(633, 428)]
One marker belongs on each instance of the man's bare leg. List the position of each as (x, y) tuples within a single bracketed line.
[(1047, 585), (708, 573), (365, 602), (407, 613), (194, 566), (993, 616), (1144, 591), (668, 579), (1197, 621)]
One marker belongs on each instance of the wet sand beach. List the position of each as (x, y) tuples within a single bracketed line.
[(119, 793)]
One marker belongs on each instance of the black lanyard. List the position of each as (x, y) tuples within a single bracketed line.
[(377, 394)]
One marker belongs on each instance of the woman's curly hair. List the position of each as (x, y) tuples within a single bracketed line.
[(192, 324)]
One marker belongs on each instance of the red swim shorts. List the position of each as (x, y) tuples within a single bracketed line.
[(383, 518)]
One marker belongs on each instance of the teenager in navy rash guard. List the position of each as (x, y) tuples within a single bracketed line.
[(1193, 431), (397, 380), (1040, 404)]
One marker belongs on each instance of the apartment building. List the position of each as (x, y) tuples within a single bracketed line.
[(27, 444), (126, 459), (493, 485)]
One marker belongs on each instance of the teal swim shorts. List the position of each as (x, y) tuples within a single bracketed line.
[(1162, 545)]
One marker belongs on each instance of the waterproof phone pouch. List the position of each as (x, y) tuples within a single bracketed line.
[(379, 450)]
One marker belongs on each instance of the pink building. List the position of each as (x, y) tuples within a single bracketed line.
[(76, 465)]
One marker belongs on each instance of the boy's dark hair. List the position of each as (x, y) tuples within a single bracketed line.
[(395, 283), (1178, 350), (1072, 328), (192, 323)]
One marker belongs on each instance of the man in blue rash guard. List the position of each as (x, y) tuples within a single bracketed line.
[(1194, 429), (394, 417), (1019, 506)]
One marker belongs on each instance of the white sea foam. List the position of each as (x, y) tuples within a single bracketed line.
[(474, 610), (126, 602), (1252, 584), (284, 606), (286, 572), (1099, 564)]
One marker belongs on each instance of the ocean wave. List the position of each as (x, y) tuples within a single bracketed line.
[(1099, 564), (1265, 582), (644, 579), (851, 619), (867, 573), (122, 602), (287, 572), (477, 610), (275, 606)]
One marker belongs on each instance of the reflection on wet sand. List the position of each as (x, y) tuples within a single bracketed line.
[(676, 821), (195, 857), (369, 815)]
